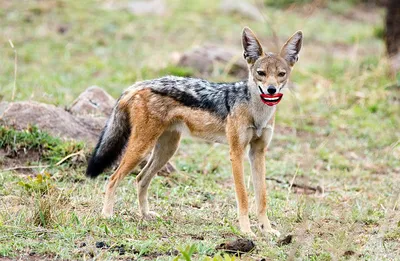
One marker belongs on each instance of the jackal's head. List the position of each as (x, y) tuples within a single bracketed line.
[(269, 71)]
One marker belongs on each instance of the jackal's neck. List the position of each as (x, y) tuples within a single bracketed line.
[(260, 112)]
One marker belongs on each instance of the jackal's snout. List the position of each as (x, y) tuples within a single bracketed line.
[(271, 89)]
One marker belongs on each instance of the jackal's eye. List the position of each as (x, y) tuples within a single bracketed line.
[(281, 74), (261, 73)]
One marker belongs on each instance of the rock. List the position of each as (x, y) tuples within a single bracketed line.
[(121, 251), (83, 122), (206, 59), (240, 245), (154, 7), (285, 241), (3, 106), (349, 253), (49, 118), (150, 7), (102, 245), (93, 100), (243, 8)]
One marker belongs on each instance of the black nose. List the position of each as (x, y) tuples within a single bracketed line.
[(271, 89)]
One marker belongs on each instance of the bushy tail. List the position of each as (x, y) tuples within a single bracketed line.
[(111, 143)]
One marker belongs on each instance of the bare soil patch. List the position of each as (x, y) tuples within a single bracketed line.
[(19, 161)]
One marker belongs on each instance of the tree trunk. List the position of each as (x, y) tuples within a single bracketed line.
[(392, 36), (393, 27)]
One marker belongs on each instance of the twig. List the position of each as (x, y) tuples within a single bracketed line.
[(292, 181), (291, 184), (67, 157), (24, 167), (44, 166), (15, 69), (295, 185)]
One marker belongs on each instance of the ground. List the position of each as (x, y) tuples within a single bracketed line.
[(337, 132)]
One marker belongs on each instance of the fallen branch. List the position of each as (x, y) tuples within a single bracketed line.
[(44, 166), (69, 156), (295, 185), (24, 167)]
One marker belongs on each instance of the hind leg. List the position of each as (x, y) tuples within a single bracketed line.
[(138, 146), (165, 148)]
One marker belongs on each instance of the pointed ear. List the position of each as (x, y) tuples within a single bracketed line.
[(290, 50), (251, 46)]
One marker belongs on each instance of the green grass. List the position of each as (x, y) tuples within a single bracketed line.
[(49, 148), (338, 130)]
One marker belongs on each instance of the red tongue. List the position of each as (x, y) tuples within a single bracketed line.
[(269, 96)]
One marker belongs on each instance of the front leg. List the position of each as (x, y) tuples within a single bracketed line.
[(257, 153), (241, 194), (238, 140)]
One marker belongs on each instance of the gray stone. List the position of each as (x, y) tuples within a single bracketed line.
[(139, 8), (93, 100), (51, 119), (84, 122), (206, 59), (150, 7), (3, 106)]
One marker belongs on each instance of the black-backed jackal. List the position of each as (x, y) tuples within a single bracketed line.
[(151, 116)]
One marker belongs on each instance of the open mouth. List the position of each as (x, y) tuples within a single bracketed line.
[(270, 99)]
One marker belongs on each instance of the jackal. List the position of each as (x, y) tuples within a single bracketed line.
[(152, 115)]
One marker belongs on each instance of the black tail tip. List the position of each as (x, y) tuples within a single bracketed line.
[(94, 168)]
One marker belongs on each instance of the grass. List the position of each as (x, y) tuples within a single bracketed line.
[(337, 130), (49, 148)]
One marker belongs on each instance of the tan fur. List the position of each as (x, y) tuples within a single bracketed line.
[(272, 65), (157, 123), (153, 118)]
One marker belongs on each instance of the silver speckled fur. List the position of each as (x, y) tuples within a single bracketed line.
[(217, 98)]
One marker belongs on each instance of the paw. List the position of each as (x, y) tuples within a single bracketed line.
[(269, 231), (150, 215), (106, 213), (274, 232), (265, 226), (248, 232)]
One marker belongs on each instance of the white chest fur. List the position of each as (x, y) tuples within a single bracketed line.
[(262, 114)]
